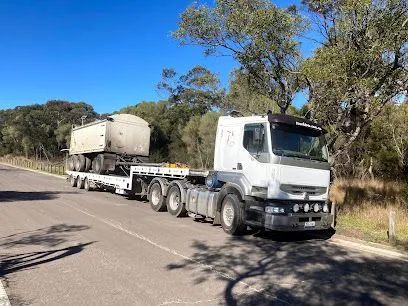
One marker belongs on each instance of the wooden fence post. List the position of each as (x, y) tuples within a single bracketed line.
[(391, 227), (334, 214)]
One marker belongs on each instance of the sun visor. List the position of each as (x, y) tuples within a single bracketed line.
[(296, 121)]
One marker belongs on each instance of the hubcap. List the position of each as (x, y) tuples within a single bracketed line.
[(228, 214), (155, 196), (174, 201)]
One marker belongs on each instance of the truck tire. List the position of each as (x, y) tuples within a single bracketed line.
[(156, 198), (71, 163), (99, 164), (88, 164), (174, 205), (75, 161), (87, 185), (80, 163), (232, 215), (72, 180), (80, 183)]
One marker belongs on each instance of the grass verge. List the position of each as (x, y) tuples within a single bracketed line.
[(364, 206)]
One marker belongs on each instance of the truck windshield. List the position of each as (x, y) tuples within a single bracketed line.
[(288, 140)]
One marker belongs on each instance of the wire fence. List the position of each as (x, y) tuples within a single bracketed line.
[(54, 168)]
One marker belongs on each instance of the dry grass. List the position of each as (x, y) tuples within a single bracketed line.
[(363, 208)]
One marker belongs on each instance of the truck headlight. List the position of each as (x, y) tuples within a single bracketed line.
[(306, 207), (296, 208), (325, 208), (274, 210), (316, 208)]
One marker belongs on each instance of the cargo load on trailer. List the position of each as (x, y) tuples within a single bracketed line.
[(270, 172), (102, 145)]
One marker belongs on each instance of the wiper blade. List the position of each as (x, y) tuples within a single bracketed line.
[(318, 158), (278, 152)]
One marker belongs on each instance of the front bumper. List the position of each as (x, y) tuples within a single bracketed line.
[(257, 217), (298, 222)]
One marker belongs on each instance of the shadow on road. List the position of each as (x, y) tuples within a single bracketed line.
[(305, 272), (53, 236), (17, 262), (49, 236), (13, 196)]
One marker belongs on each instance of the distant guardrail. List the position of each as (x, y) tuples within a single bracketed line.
[(54, 168)]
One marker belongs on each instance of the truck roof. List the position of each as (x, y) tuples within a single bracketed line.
[(274, 118)]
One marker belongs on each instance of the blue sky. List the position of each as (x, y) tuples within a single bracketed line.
[(109, 54)]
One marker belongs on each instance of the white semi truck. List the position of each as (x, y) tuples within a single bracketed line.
[(270, 172)]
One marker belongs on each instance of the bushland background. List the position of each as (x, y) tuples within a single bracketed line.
[(354, 84)]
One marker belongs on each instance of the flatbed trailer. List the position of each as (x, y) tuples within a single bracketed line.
[(125, 184)]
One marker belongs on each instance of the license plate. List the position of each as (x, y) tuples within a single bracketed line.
[(310, 224)]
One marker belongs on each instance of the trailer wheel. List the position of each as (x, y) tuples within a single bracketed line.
[(80, 183), (156, 198), (75, 161), (173, 201), (232, 215), (71, 163), (72, 180), (80, 163), (87, 185), (88, 164), (99, 164)]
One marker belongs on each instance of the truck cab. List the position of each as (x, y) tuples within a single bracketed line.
[(278, 167)]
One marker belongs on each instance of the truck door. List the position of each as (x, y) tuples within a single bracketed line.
[(254, 153)]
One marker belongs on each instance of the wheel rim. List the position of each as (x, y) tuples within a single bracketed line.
[(228, 214), (155, 196), (174, 201)]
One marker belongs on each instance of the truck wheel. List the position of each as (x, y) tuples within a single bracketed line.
[(173, 201), (88, 164), (87, 185), (156, 198), (71, 163), (80, 183), (232, 215), (99, 164), (73, 180), (80, 163), (75, 161)]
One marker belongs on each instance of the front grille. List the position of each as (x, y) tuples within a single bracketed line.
[(299, 189)]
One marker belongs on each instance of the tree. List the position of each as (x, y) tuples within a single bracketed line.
[(189, 95), (41, 129), (258, 34), (199, 137), (243, 98), (361, 67), (199, 89)]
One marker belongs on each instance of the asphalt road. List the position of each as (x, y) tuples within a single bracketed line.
[(64, 246)]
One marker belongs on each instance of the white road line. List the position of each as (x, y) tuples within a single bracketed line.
[(4, 300), (118, 226)]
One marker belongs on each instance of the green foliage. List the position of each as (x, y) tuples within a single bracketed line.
[(37, 130), (258, 34), (199, 138), (199, 89)]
